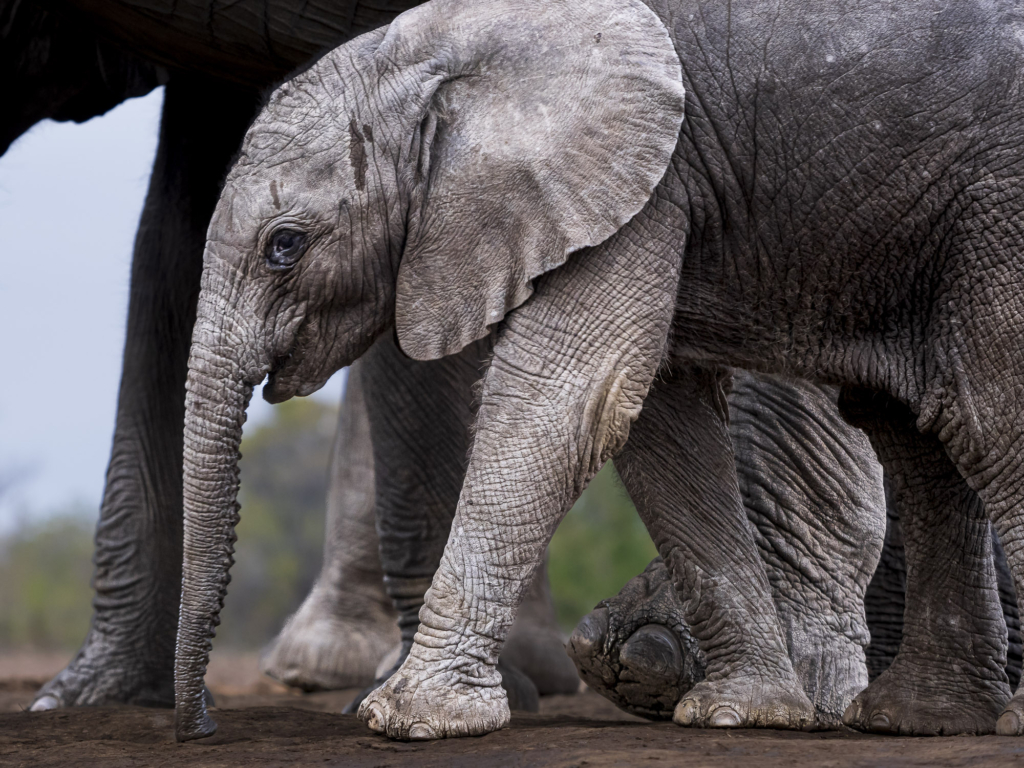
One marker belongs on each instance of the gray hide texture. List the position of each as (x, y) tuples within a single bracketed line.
[(845, 191)]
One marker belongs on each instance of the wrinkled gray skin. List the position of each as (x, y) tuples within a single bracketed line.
[(347, 624), (71, 61), (74, 60), (636, 650), (58, 66), (812, 491), (844, 217), (811, 488)]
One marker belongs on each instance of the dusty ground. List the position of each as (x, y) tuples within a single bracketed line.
[(264, 724)]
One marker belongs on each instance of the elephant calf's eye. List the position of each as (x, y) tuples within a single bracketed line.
[(285, 248)]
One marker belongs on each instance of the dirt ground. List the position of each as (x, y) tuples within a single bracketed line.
[(264, 724)]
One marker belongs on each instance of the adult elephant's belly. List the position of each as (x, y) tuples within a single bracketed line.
[(253, 42)]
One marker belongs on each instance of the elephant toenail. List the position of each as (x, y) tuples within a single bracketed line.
[(725, 717), (880, 722), (686, 712), (1008, 724), (45, 703), (589, 635), (421, 732), (851, 717), (374, 718)]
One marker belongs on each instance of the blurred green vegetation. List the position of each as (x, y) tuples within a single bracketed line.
[(281, 535), (45, 566), (45, 572), (599, 546)]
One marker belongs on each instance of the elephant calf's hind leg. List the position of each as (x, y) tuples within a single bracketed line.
[(949, 674)]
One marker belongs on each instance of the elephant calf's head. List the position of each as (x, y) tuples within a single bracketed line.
[(421, 175)]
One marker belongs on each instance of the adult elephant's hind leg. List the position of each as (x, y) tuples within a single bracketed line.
[(680, 471), (974, 404), (948, 676), (635, 648), (347, 623), (128, 655)]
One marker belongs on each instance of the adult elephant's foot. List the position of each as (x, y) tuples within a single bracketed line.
[(636, 650), (329, 643), (424, 701), (914, 700), (828, 663), (746, 702), (110, 671)]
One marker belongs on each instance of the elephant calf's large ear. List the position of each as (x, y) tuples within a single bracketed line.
[(552, 125)]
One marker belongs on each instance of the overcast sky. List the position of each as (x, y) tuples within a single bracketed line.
[(70, 198)]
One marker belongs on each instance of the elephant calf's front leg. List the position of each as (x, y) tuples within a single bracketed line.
[(556, 402)]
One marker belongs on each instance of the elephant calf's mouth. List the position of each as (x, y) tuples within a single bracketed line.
[(286, 380)]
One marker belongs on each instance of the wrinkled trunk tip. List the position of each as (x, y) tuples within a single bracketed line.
[(193, 723)]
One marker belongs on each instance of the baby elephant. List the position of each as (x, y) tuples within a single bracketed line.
[(841, 203)]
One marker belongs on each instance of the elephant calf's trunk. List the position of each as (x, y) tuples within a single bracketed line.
[(215, 403)]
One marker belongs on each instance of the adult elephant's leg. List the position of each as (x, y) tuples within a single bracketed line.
[(885, 601), (949, 674), (128, 655), (1008, 597), (636, 648), (347, 623), (536, 644), (812, 490)]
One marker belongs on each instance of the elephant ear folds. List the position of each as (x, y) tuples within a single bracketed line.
[(550, 130)]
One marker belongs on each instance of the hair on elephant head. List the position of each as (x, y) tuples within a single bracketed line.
[(421, 175)]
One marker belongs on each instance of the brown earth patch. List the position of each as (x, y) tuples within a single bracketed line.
[(263, 724)]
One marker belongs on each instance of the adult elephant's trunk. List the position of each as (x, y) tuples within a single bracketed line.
[(217, 394)]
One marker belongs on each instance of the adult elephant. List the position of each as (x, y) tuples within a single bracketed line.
[(71, 61), (211, 61)]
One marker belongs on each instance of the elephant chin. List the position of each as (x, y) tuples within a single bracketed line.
[(287, 382)]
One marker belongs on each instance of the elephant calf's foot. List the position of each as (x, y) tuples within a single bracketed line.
[(325, 647), (109, 671), (635, 650), (912, 701), (519, 688), (420, 702), (746, 702)]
